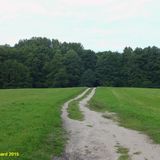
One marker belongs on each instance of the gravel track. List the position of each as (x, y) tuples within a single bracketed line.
[(96, 138)]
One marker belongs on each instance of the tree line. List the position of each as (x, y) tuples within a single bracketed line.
[(41, 63)]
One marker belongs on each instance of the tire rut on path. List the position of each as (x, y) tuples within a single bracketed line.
[(96, 138)]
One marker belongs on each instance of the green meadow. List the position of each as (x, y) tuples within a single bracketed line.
[(30, 122), (136, 108)]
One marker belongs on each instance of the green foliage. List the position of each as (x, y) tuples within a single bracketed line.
[(108, 69), (72, 63), (50, 63), (137, 108), (88, 78), (30, 122), (14, 75)]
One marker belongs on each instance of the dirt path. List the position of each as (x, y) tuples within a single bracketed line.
[(96, 138)]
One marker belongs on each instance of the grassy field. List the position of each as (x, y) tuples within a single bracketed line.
[(137, 108), (30, 122)]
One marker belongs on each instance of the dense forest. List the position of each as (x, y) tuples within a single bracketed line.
[(41, 62)]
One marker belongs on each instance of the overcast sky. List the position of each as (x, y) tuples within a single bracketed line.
[(97, 24)]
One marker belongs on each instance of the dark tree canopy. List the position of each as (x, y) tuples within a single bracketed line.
[(41, 62), (88, 78)]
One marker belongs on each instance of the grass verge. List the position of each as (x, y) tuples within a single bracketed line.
[(136, 108), (73, 109), (74, 112)]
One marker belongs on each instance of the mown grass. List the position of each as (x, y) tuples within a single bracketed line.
[(73, 109), (136, 108), (30, 122)]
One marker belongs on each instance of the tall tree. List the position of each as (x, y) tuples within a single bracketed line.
[(72, 64), (41, 62), (14, 75), (88, 78)]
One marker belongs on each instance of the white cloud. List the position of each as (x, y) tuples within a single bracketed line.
[(10, 9), (106, 10), (91, 9), (95, 23)]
